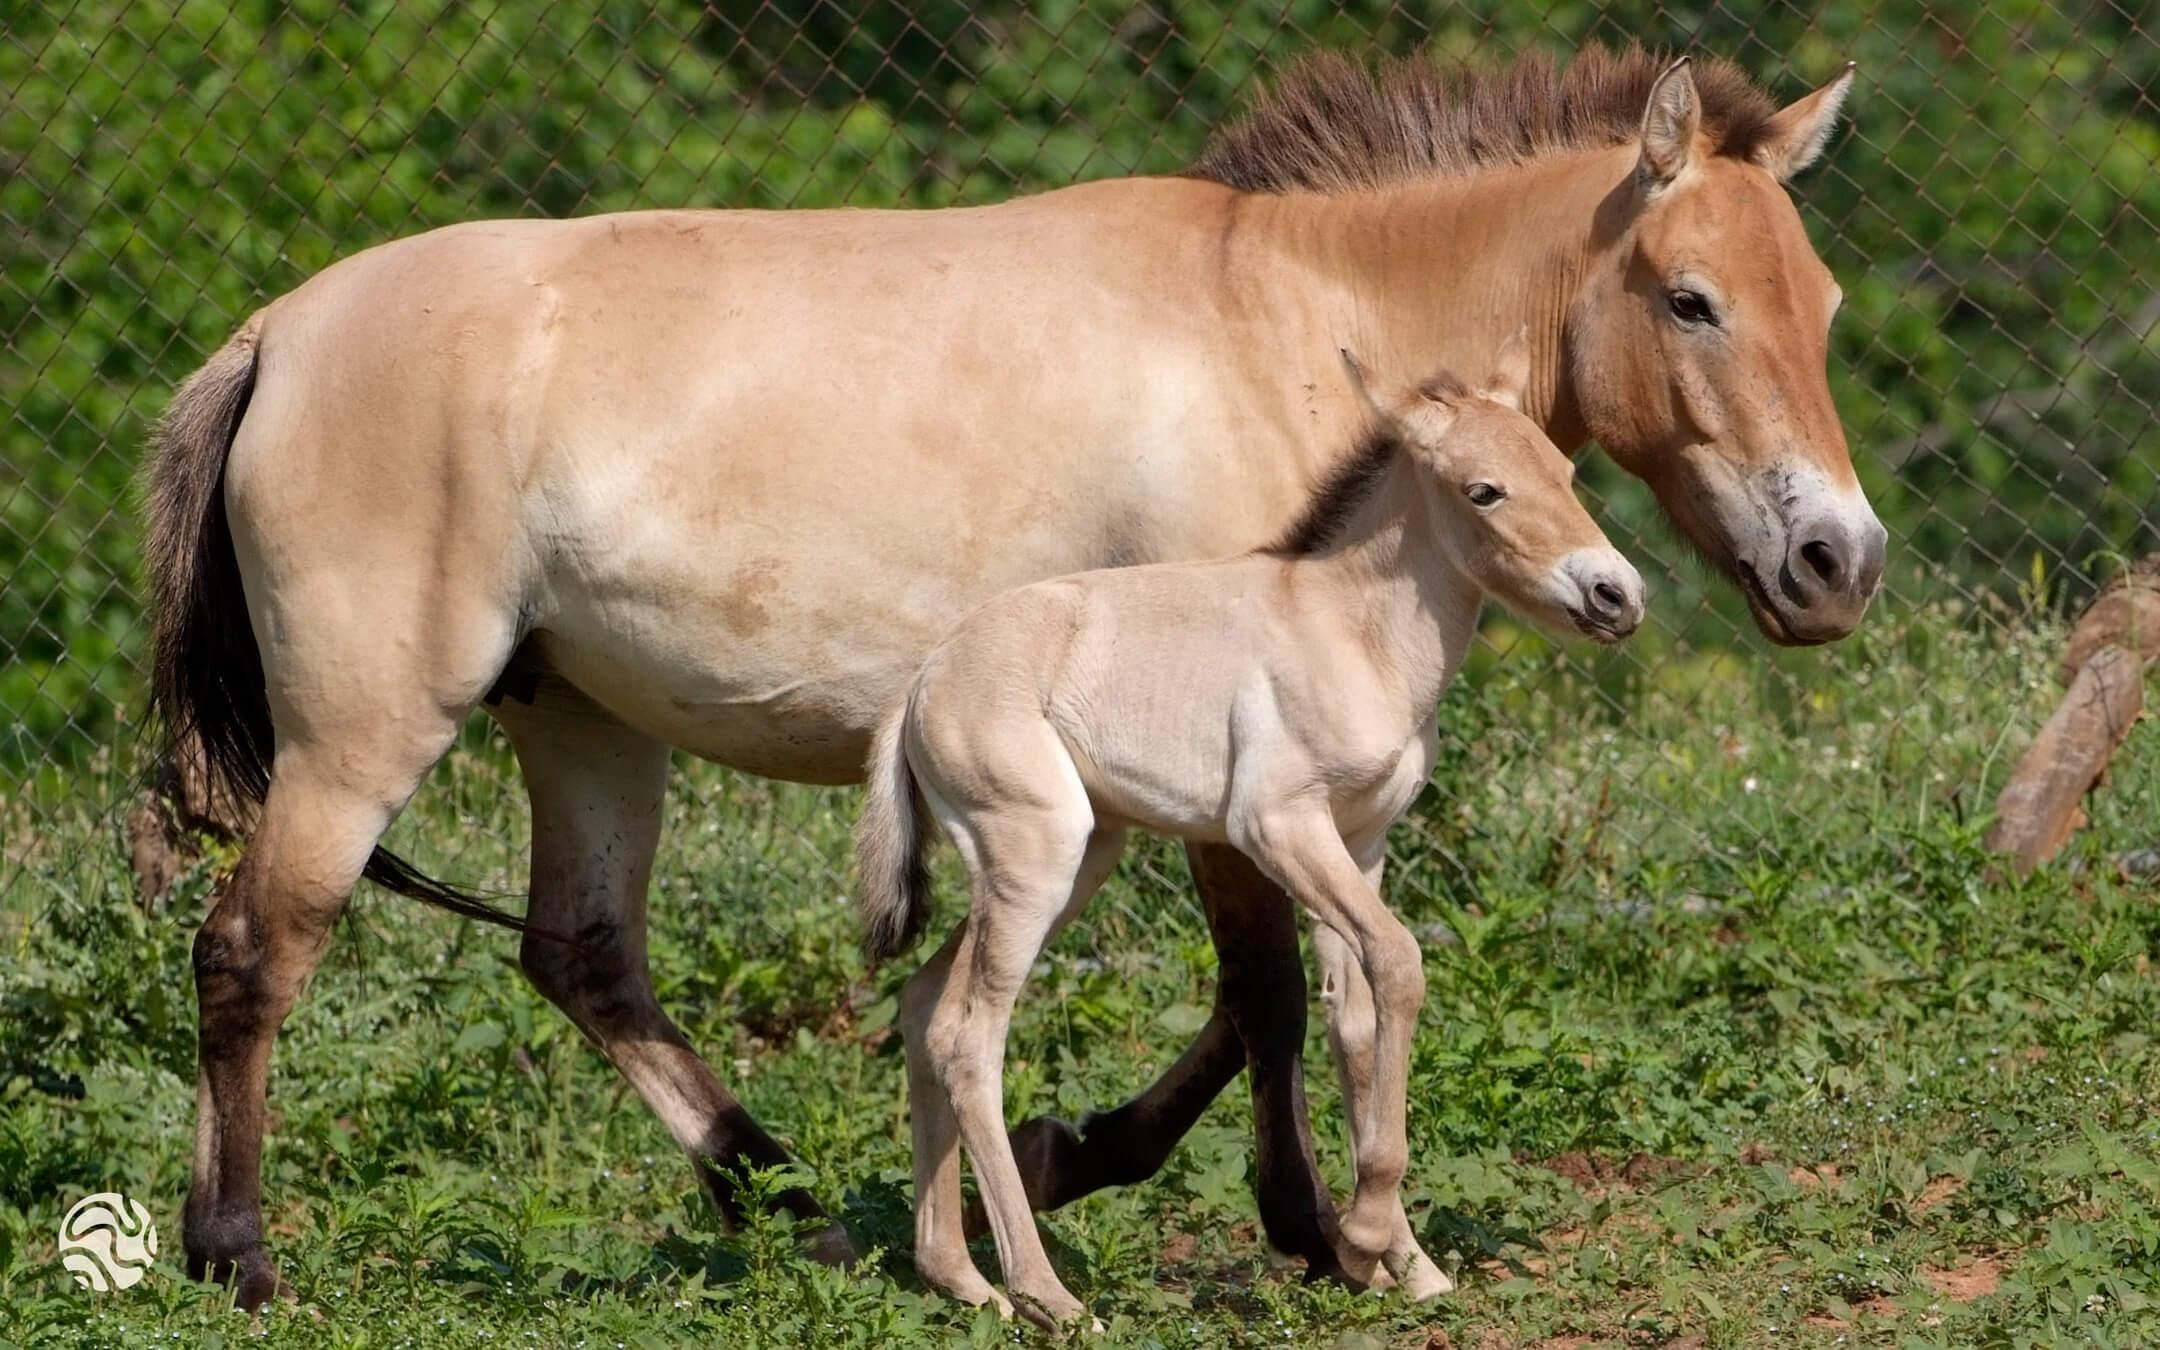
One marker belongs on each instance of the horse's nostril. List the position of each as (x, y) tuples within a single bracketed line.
[(1824, 561), (1610, 598)]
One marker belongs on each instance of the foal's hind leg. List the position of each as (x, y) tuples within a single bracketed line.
[(1024, 863), (1258, 1020), (943, 1237), (941, 1254), (596, 788), (332, 792)]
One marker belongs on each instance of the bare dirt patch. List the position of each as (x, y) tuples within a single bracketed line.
[(1962, 1284), (1819, 1175), (1936, 1193), (1594, 1174)]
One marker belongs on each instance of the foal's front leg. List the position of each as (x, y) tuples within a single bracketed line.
[(1299, 844), (1349, 1003)]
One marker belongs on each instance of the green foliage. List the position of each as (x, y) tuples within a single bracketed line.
[(1731, 1033), (166, 167)]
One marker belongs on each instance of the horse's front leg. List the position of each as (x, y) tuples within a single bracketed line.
[(597, 789), (1258, 1019)]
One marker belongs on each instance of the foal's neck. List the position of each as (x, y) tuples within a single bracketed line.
[(1390, 563)]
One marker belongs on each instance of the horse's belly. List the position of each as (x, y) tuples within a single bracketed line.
[(731, 707), (780, 668)]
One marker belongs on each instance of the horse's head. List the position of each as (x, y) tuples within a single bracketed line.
[(1698, 345)]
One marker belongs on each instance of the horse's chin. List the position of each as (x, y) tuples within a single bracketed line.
[(1768, 620)]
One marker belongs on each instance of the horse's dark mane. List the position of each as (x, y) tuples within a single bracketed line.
[(1333, 123), (1346, 485)]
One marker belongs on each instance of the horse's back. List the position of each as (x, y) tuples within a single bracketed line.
[(738, 470)]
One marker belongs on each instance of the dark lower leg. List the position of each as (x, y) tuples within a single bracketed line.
[(1258, 1018), (597, 789), (606, 989), (249, 968), (221, 1227), (1254, 925), (1129, 1143)]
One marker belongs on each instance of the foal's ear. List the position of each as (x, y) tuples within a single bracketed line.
[(1356, 371), (1511, 371), (1795, 137), (1670, 121)]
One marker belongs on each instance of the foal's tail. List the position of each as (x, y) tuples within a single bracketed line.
[(890, 845), (206, 683)]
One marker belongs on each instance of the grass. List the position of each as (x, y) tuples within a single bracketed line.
[(1734, 1037)]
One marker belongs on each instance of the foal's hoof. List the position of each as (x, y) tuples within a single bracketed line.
[(249, 1271), (959, 1278), (1359, 1271), (1420, 1280), (830, 1246), (1056, 1311)]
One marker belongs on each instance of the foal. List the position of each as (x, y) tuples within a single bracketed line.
[(1282, 702)]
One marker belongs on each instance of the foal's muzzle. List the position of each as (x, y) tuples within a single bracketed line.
[(1608, 594)]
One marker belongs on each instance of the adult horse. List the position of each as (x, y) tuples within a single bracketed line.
[(717, 480)]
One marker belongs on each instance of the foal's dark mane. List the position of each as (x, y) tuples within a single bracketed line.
[(1333, 123), (1332, 504), (1353, 478)]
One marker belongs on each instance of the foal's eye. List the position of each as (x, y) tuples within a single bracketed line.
[(1691, 307), (1483, 495)]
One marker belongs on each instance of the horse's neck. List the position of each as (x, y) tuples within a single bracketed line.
[(1438, 274), (1392, 566)]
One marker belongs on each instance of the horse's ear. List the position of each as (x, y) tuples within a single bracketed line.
[(1670, 121), (1795, 137), (1510, 376)]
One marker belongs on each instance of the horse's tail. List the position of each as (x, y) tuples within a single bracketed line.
[(890, 845), (206, 679)]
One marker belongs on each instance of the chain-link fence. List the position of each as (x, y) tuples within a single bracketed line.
[(169, 166)]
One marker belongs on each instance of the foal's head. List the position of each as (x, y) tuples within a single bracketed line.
[(1503, 501)]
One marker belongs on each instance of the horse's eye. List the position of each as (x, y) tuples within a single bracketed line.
[(1691, 307), (1483, 495)]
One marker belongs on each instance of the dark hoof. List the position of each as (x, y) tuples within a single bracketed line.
[(830, 1246), (1329, 1270), (253, 1278)]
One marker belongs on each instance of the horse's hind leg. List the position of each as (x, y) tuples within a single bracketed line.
[(596, 788), (332, 792)]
